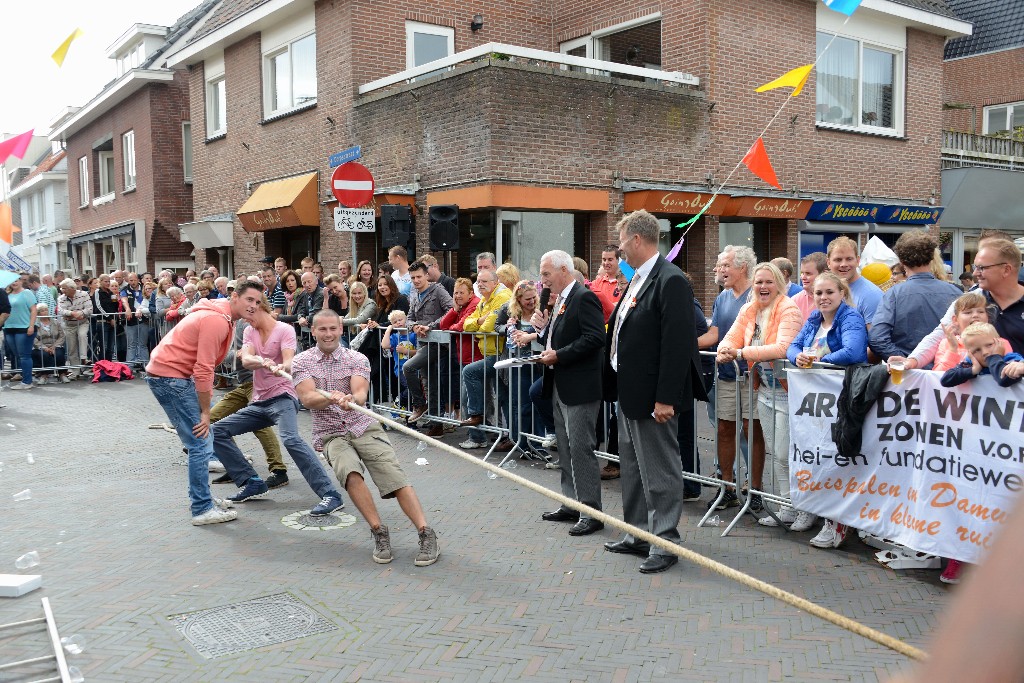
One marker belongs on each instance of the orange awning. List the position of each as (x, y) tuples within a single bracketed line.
[(665, 201), (383, 198), (522, 197), (767, 207), (287, 203)]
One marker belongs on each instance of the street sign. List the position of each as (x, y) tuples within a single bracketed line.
[(19, 262), (354, 220), (350, 154), (352, 185), (4, 263)]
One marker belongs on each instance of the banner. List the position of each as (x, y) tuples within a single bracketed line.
[(939, 469)]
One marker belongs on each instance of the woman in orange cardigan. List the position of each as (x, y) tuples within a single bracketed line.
[(762, 333)]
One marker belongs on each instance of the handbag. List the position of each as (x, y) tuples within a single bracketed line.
[(357, 342)]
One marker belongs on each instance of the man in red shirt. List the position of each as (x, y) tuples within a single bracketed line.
[(610, 282)]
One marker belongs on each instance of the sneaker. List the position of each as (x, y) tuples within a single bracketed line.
[(550, 442), (729, 500), (786, 515), (277, 479), (19, 386), (328, 504), (223, 479), (216, 467), (253, 489), (65, 379), (756, 504), (214, 516), (223, 503), (803, 521), (381, 545), (831, 535), (429, 551), (951, 574), (470, 443), (691, 497), (41, 380)]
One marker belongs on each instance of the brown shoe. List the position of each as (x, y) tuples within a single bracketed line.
[(472, 421), (436, 430), (504, 445), (610, 471), (417, 413)]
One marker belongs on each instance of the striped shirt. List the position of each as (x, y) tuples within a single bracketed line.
[(333, 372)]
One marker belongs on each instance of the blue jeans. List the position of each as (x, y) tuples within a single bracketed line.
[(545, 410), (476, 389), (20, 351), (179, 400), (281, 411), (138, 344), (516, 404)]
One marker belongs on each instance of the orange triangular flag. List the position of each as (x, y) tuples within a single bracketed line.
[(759, 164), (7, 228), (796, 79)]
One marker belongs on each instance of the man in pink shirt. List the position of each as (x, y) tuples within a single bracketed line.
[(180, 375), (268, 347), (811, 266)]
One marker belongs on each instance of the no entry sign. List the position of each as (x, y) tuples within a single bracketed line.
[(352, 185)]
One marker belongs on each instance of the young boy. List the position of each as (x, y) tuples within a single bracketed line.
[(969, 308), (985, 356), (402, 345)]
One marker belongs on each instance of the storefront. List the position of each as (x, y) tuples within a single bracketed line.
[(287, 213), (827, 220)]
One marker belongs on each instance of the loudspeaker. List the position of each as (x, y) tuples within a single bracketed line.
[(396, 225), (444, 227)]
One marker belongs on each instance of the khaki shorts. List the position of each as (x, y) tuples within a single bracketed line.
[(726, 394), (371, 452)]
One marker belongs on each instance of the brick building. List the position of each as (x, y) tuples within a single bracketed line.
[(983, 101), (545, 121), (129, 179)]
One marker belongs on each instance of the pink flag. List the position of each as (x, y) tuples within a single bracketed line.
[(16, 146)]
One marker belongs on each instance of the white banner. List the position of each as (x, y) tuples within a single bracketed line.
[(353, 220), (939, 469)]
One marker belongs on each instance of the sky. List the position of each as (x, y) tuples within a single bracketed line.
[(34, 87)]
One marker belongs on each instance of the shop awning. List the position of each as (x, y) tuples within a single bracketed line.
[(209, 233), (673, 202), (982, 198), (522, 197), (106, 233), (286, 203)]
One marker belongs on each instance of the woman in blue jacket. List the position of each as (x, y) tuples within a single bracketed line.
[(837, 333)]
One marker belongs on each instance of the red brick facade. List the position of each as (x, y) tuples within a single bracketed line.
[(978, 82), (161, 198), (520, 124)]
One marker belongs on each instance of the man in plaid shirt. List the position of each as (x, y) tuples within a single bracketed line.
[(328, 379)]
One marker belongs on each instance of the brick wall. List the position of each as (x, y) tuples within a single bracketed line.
[(981, 81), (160, 198)]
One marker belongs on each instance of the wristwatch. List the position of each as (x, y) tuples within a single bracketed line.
[(739, 354)]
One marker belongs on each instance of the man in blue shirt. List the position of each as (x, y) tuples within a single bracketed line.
[(842, 260), (908, 313)]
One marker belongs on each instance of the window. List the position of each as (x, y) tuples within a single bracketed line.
[(128, 151), (186, 149), (426, 43), (290, 76), (216, 108), (106, 172), (83, 181), (859, 85), (40, 211), (1004, 118)]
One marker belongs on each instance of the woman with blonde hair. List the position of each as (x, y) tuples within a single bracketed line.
[(508, 275), (761, 334), (361, 308)]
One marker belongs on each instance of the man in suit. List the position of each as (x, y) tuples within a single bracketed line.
[(572, 333), (653, 370)]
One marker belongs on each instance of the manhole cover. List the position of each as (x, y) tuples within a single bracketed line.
[(248, 625), (304, 522)]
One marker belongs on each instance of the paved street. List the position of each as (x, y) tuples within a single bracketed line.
[(512, 597)]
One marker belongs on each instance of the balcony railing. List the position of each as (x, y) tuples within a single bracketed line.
[(967, 149), (535, 57)]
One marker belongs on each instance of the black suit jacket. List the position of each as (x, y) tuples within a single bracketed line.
[(658, 359), (579, 341)]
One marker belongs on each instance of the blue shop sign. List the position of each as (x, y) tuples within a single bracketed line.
[(863, 212)]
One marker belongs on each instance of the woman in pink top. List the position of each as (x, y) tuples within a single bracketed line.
[(762, 333)]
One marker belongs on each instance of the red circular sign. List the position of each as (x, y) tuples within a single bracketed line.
[(352, 185)]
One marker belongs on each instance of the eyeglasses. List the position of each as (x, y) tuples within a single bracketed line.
[(982, 269), (525, 284)]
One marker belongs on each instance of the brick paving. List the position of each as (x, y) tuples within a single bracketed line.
[(512, 597)]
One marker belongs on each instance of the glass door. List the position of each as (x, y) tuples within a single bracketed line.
[(534, 233)]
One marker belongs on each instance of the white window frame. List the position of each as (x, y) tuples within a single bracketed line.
[(128, 157), (131, 254), (592, 41), (212, 100), (899, 88), (187, 153), (268, 79), (83, 182), (414, 27), (1009, 107), (106, 184), (88, 264)]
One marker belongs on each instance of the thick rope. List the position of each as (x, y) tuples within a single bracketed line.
[(696, 558)]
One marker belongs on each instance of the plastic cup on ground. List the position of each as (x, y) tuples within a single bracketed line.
[(28, 560), (23, 495)]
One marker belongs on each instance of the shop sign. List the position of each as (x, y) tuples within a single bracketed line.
[(662, 202), (768, 207), (862, 212), (264, 220), (353, 220), (911, 215)]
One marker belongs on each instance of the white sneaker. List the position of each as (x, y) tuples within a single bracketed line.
[(19, 386), (65, 379), (786, 515), (41, 380), (214, 516), (831, 535), (469, 443), (223, 503), (550, 442), (216, 467), (804, 521)]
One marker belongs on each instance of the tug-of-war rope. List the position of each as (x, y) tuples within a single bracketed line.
[(679, 551)]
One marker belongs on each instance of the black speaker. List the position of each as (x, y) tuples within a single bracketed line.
[(444, 227), (396, 225)]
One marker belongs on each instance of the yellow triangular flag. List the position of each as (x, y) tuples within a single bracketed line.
[(795, 79), (61, 52)]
